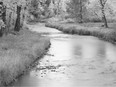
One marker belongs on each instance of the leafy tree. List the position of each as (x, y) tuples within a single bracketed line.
[(13, 14), (39, 8), (46, 11), (57, 7), (77, 8), (33, 8), (102, 9)]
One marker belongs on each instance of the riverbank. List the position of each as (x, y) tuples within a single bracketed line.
[(100, 32), (19, 52)]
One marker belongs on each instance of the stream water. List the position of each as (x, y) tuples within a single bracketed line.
[(73, 61)]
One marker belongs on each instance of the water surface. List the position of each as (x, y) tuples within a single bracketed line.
[(73, 61)]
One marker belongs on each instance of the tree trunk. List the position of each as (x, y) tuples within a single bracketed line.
[(102, 3), (80, 13), (104, 19), (17, 24), (4, 15), (9, 23)]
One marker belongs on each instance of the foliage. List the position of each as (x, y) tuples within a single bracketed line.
[(94, 12), (39, 8), (11, 13), (33, 9), (77, 9), (57, 6)]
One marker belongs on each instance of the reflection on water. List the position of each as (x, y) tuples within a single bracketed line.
[(74, 61)]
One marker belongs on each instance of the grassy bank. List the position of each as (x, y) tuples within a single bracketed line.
[(102, 33), (18, 52)]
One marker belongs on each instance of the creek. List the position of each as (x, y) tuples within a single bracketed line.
[(72, 61)]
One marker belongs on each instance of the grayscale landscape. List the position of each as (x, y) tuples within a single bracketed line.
[(57, 43)]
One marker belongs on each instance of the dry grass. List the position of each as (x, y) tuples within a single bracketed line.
[(108, 34), (17, 53)]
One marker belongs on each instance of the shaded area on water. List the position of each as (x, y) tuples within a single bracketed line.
[(74, 61)]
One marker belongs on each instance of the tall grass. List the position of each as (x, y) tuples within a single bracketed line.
[(17, 53), (102, 33)]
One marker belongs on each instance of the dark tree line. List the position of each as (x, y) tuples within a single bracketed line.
[(77, 9), (4, 26)]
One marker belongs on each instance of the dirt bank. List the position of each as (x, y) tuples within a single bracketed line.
[(102, 33), (19, 52)]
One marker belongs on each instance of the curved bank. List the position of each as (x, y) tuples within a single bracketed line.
[(102, 33), (18, 53)]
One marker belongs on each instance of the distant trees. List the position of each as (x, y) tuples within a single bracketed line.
[(101, 9), (33, 8), (10, 15), (39, 8), (46, 11), (57, 6), (77, 8)]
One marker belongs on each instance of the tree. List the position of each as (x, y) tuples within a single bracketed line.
[(77, 8), (2, 18), (102, 4), (46, 6), (13, 14), (33, 8), (39, 8), (58, 7), (17, 24)]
